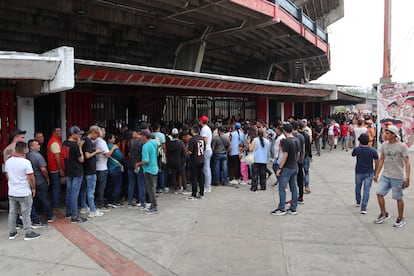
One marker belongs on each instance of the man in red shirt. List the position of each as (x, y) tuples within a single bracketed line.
[(344, 135), (55, 164)]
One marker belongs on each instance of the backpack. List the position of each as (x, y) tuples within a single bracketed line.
[(161, 157)]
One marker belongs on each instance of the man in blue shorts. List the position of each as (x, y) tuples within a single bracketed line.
[(395, 176)]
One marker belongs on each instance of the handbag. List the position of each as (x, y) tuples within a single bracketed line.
[(116, 161), (249, 158)]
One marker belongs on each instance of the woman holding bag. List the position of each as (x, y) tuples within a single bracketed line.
[(260, 147), (115, 169)]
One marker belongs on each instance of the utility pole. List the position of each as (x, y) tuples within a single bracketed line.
[(386, 71)]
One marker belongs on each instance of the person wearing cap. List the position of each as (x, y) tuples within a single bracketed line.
[(17, 135), (220, 146), (176, 159), (364, 170), (55, 165), (73, 157), (196, 151), (206, 133), (149, 165), (237, 138), (287, 171), (395, 165), (382, 135)]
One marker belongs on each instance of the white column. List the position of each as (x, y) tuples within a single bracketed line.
[(25, 116), (63, 114)]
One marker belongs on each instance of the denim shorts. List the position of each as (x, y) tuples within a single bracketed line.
[(385, 184)]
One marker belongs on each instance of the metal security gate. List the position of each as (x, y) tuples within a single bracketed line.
[(190, 108)]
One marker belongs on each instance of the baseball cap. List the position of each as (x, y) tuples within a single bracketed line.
[(75, 130), (394, 130), (146, 133), (204, 119), (144, 125), (287, 127), (237, 125), (17, 132), (174, 131)]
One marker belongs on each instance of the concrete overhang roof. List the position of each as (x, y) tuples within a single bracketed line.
[(15, 65)]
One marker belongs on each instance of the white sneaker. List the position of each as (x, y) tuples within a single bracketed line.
[(83, 211), (243, 183), (208, 190), (234, 182), (97, 213)]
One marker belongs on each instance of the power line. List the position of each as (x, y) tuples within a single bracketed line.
[(402, 49)]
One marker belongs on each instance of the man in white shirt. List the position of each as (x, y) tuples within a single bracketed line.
[(208, 136), (22, 189), (102, 168), (359, 130)]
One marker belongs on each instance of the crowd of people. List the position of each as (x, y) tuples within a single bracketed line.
[(106, 170)]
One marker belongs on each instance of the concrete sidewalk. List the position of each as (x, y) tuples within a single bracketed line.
[(230, 232)]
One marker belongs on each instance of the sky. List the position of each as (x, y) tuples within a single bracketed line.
[(356, 43)]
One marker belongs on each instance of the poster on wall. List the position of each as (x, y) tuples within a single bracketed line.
[(396, 106)]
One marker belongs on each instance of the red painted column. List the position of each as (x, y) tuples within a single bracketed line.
[(262, 108), (325, 109), (4, 128), (309, 109), (287, 110)]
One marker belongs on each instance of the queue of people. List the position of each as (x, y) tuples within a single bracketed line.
[(101, 169)]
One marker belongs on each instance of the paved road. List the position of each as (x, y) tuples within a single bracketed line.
[(230, 232)]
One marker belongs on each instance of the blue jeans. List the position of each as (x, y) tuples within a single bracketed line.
[(40, 201), (162, 179), (114, 185), (55, 181), (207, 168), (102, 177), (366, 180), (220, 161), (88, 191), (24, 206), (73, 185), (306, 166), (288, 176), (136, 183)]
